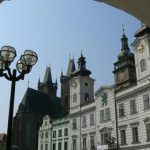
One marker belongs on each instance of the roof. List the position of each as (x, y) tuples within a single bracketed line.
[(104, 87), (48, 76), (37, 102), (71, 67)]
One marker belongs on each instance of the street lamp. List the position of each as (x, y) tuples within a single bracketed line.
[(24, 66), (110, 142)]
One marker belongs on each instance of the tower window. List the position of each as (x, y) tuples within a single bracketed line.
[(143, 65), (86, 97), (86, 84), (74, 97), (66, 101)]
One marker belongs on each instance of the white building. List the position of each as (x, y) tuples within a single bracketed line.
[(119, 113), (105, 114), (53, 135), (132, 96)]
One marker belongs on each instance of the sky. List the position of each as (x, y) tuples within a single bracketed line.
[(58, 30)]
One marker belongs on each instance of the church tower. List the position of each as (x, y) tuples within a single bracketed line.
[(81, 86), (47, 86), (142, 54), (124, 68), (65, 86)]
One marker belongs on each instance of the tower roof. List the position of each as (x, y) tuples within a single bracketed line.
[(48, 76), (125, 51), (71, 67), (82, 71)]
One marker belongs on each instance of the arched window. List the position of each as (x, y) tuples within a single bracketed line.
[(143, 65), (86, 97)]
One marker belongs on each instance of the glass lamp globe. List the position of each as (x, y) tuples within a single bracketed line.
[(8, 54), (22, 68), (29, 58)]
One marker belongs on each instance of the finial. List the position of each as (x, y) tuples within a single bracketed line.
[(123, 29), (81, 53)]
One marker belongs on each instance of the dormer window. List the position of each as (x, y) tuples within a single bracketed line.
[(143, 65)]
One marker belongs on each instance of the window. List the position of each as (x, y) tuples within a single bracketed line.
[(105, 115), (46, 135), (91, 119), (143, 65), (135, 135), (74, 124), (74, 144), (121, 110), (132, 106), (54, 146), (102, 119), (83, 121), (65, 132), (148, 131), (146, 101), (42, 135), (107, 111), (104, 137), (60, 133), (46, 146), (86, 84), (92, 142), (41, 146), (74, 97), (45, 123), (59, 146), (123, 136), (84, 143), (54, 134), (66, 101), (86, 97), (65, 145)]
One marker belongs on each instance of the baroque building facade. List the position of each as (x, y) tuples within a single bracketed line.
[(118, 113)]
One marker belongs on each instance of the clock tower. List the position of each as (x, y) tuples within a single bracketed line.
[(124, 68), (81, 87)]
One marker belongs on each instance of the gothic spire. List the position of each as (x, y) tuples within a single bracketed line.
[(71, 67), (48, 76)]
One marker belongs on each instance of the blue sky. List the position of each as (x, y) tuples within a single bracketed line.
[(55, 29)]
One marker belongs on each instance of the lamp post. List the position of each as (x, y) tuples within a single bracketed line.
[(24, 66), (110, 142)]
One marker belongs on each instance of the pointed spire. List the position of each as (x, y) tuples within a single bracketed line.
[(124, 41), (39, 81), (48, 76), (56, 82), (81, 62), (71, 67)]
